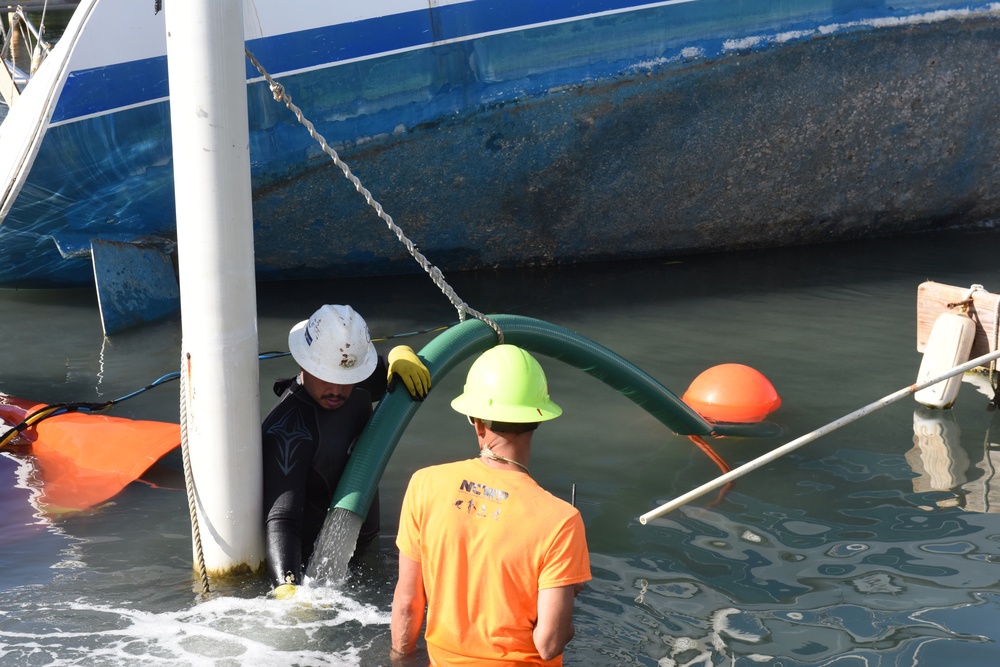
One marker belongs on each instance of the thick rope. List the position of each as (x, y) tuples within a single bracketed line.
[(995, 403), (968, 302), (189, 480), (463, 308)]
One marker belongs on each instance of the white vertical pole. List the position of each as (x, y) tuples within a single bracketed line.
[(208, 115)]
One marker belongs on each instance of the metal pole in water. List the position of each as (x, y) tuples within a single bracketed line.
[(208, 115)]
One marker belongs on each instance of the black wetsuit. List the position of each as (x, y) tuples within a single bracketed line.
[(306, 448)]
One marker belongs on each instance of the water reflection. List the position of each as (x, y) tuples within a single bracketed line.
[(789, 591), (870, 574), (854, 550), (942, 464), (937, 457)]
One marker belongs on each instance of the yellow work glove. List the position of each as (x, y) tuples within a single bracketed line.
[(284, 591), (403, 362)]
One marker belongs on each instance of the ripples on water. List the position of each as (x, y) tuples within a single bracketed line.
[(786, 589), (875, 545)]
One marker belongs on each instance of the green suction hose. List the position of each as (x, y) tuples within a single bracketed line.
[(371, 454)]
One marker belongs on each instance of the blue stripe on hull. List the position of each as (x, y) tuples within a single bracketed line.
[(489, 154), (627, 37)]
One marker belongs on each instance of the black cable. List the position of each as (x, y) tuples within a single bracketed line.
[(81, 406)]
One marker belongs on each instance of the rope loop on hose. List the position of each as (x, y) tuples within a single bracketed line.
[(435, 274)]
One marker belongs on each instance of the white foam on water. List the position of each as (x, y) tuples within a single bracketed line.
[(224, 631)]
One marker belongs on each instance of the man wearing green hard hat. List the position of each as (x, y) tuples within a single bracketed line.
[(495, 559)]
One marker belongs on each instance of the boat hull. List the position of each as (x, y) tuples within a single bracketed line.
[(634, 139)]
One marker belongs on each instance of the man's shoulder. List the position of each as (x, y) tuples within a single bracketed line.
[(442, 470), (290, 401), (553, 502), (282, 385)]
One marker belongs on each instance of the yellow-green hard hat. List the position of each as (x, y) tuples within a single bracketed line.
[(506, 384)]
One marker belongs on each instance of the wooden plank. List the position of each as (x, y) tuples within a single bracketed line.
[(933, 299)]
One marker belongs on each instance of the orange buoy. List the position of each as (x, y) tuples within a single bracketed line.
[(732, 393)]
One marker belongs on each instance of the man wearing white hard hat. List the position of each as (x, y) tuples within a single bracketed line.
[(309, 434)]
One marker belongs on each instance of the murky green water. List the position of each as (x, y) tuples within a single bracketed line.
[(869, 546)]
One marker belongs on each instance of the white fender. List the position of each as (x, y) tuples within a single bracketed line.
[(948, 346)]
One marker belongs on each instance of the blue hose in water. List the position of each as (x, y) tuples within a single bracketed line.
[(371, 454)]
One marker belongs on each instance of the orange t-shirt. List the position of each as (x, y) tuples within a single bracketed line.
[(488, 540)]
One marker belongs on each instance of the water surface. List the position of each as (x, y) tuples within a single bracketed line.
[(874, 545)]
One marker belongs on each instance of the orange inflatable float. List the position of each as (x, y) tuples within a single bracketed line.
[(732, 393), (84, 459)]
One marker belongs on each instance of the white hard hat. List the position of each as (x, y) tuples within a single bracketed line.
[(334, 345)]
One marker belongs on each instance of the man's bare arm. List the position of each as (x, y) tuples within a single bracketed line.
[(408, 605), (555, 620)]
